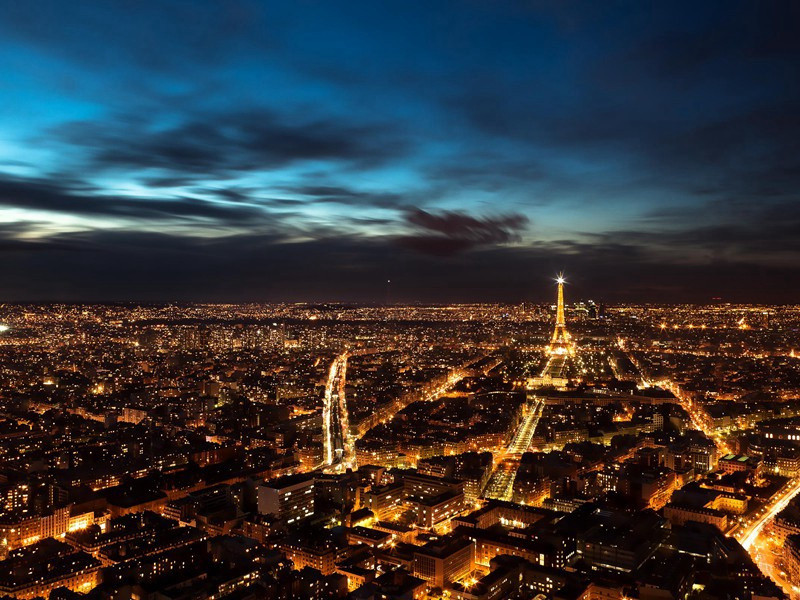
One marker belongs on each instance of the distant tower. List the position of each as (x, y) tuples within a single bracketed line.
[(561, 342)]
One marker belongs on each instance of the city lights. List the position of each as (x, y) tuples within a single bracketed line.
[(399, 300), (438, 432)]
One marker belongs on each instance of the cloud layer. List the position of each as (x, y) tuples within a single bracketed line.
[(251, 150)]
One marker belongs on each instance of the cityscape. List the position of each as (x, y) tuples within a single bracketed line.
[(566, 450), (399, 300)]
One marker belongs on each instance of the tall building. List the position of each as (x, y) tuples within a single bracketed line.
[(290, 498), (561, 342), (444, 560)]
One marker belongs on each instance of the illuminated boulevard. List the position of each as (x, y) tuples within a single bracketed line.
[(338, 438), (501, 484), (561, 348), (339, 452), (753, 536)]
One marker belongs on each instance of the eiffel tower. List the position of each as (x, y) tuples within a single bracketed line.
[(561, 342)]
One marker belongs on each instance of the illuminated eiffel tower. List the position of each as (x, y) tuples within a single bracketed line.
[(561, 342)]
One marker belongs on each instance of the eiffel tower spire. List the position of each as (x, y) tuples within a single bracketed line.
[(561, 342)]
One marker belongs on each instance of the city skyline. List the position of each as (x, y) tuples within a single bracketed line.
[(399, 300), (265, 151)]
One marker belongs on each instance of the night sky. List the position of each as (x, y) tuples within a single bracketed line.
[(466, 151)]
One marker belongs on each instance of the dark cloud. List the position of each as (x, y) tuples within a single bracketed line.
[(219, 145), (79, 199), (348, 196), (450, 232)]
